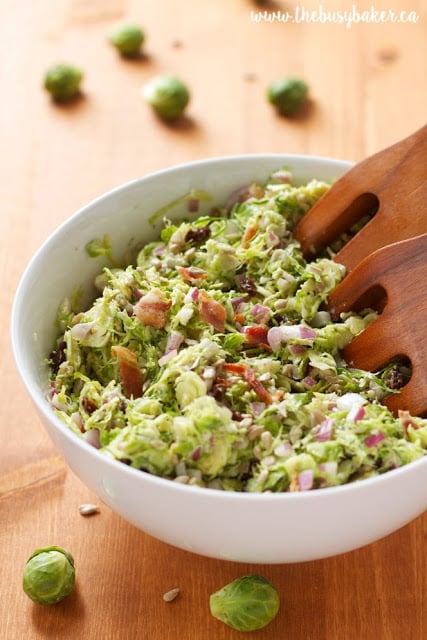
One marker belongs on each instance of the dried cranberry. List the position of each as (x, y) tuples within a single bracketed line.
[(394, 379), (246, 284), (57, 357), (89, 405), (199, 234)]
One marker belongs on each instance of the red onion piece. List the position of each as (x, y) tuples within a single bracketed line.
[(274, 338), (193, 205), (305, 480), (259, 312), (323, 431), (356, 413), (257, 407), (297, 349), (374, 439), (175, 340), (167, 356), (306, 333), (309, 381), (92, 437)]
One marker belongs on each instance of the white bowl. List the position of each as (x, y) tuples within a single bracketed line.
[(259, 528)]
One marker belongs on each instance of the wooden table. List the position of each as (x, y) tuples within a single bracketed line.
[(368, 90)]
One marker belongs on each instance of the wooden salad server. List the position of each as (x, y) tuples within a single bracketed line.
[(386, 259)]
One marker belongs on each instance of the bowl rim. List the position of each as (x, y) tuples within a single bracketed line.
[(40, 401)]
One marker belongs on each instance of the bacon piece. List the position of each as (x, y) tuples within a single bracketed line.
[(235, 367), (250, 232), (257, 335), (258, 387), (211, 311), (406, 420), (130, 374), (249, 376), (151, 309), (192, 275)]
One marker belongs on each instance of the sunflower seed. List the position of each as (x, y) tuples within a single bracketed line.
[(171, 595), (88, 509)]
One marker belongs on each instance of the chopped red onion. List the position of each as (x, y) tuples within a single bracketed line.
[(193, 205), (78, 420), (237, 302), (306, 333), (283, 449), (274, 337), (290, 332), (305, 479), (61, 406), (259, 312), (297, 349), (92, 437), (81, 330), (167, 356), (356, 413), (283, 176), (196, 453), (309, 381), (194, 294), (273, 239), (174, 341), (257, 407), (158, 251), (374, 439), (323, 431)]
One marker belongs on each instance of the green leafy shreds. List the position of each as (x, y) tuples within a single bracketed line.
[(192, 195), (224, 401), (100, 247)]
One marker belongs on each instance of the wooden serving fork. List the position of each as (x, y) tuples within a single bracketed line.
[(399, 271), (394, 181), (386, 258)]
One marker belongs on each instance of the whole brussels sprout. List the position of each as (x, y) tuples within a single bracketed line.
[(246, 604), (49, 575), (168, 96), (63, 81), (287, 95), (128, 39)]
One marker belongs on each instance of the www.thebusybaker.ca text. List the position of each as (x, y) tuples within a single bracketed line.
[(325, 16)]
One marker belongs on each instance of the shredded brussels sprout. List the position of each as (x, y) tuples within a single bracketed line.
[(213, 361)]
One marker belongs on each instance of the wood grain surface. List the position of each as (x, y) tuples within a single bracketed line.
[(368, 88)]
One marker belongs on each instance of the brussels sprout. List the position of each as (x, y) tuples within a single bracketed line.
[(49, 575), (246, 604), (168, 96), (63, 81), (287, 95), (128, 39)]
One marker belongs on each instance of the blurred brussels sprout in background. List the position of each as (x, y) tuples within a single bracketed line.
[(167, 95), (63, 81), (287, 95), (128, 39)]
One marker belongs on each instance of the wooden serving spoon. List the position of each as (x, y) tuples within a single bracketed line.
[(386, 258)]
